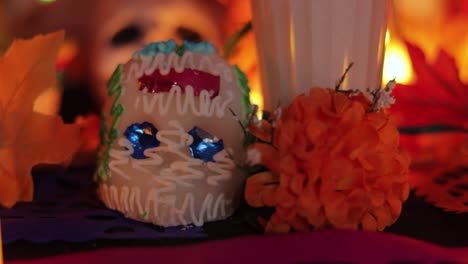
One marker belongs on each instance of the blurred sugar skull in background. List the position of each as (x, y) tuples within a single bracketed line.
[(107, 32), (123, 26)]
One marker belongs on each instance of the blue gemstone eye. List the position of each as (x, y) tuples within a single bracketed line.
[(142, 136), (204, 145)]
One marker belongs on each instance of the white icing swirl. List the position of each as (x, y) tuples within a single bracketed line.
[(129, 201), (164, 63), (184, 103), (182, 171)]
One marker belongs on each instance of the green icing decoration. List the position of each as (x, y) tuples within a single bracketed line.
[(180, 50), (243, 81), (245, 100), (109, 136), (144, 215)]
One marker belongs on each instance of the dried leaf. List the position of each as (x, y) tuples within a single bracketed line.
[(28, 138), (442, 176), (438, 96), (440, 160)]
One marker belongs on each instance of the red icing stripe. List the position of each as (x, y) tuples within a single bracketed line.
[(199, 80)]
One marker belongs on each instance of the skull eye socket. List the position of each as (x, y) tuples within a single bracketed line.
[(189, 34), (128, 35)]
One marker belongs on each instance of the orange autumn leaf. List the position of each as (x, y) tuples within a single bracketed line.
[(441, 177), (28, 138), (440, 159), (438, 90)]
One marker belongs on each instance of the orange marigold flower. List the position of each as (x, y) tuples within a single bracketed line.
[(333, 164)]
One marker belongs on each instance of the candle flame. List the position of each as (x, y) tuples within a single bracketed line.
[(387, 37), (256, 96), (397, 64)]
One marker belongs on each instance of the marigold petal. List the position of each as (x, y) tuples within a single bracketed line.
[(389, 134), (285, 197), (383, 216), (365, 163), (309, 200), (361, 138), (314, 130), (341, 173), (310, 206), (285, 136), (296, 110), (321, 96), (358, 196), (376, 119), (259, 188), (404, 160), (328, 115), (300, 224), (286, 213), (277, 225), (312, 168), (289, 167), (384, 163), (355, 214), (405, 190), (377, 198), (395, 207), (354, 113), (341, 102), (297, 184), (269, 156), (348, 178), (301, 147), (318, 218), (337, 210), (369, 222)]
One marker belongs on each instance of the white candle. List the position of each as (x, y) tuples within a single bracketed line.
[(305, 43)]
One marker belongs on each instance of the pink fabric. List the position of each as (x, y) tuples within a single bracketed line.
[(331, 246)]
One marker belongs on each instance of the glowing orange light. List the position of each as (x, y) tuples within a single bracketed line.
[(397, 64), (256, 96), (67, 54), (387, 37)]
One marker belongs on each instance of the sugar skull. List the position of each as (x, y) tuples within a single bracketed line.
[(123, 26), (109, 31), (172, 137)]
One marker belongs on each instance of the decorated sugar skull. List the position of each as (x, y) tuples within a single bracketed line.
[(171, 140)]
